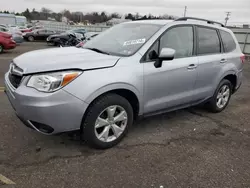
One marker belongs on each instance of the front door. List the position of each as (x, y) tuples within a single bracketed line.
[(171, 85), (41, 34)]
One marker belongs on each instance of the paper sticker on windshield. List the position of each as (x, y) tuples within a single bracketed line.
[(133, 42)]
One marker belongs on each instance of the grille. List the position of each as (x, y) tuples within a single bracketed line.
[(15, 80)]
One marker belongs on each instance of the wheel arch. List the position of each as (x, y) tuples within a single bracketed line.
[(233, 79), (127, 91), (230, 75)]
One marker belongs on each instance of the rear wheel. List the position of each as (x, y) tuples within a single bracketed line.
[(31, 38), (107, 121), (221, 97), (1, 48)]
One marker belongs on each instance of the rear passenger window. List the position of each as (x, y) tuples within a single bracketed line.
[(208, 41), (228, 41)]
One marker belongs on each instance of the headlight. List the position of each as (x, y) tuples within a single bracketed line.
[(50, 82)]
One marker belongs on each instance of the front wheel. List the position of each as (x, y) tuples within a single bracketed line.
[(107, 121), (31, 38), (221, 97)]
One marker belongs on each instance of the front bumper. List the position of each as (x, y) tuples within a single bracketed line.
[(10, 45), (60, 111)]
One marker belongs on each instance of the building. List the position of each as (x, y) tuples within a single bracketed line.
[(21, 20), (7, 19), (11, 19)]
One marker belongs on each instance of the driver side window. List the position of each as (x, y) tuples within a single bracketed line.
[(180, 39)]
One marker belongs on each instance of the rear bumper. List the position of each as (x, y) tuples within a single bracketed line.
[(47, 113)]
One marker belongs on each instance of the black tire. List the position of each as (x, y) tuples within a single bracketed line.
[(31, 38), (212, 104), (97, 107), (1, 48)]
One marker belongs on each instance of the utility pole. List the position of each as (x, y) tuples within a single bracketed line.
[(227, 18), (185, 11)]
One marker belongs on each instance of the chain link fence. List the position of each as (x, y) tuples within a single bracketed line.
[(59, 26), (243, 37)]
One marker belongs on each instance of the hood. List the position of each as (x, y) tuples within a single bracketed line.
[(63, 59), (5, 34)]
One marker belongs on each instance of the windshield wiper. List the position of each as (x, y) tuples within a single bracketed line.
[(98, 50)]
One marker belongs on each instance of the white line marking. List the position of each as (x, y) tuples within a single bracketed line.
[(6, 180)]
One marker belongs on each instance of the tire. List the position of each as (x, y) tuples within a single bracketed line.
[(100, 109), (31, 38), (1, 48), (212, 105)]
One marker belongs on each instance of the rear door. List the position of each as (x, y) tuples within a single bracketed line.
[(211, 61)]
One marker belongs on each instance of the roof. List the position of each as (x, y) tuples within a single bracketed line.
[(7, 15), (157, 22), (23, 17)]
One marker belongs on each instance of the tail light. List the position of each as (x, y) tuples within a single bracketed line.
[(243, 58)]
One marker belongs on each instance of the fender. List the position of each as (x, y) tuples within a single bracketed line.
[(221, 76), (116, 86)]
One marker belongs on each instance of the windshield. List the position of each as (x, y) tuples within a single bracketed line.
[(123, 39)]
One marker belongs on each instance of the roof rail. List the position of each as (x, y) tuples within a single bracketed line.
[(199, 19)]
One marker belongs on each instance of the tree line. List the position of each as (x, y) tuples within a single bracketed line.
[(76, 17)]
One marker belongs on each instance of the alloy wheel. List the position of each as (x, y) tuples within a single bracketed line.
[(111, 123), (223, 96)]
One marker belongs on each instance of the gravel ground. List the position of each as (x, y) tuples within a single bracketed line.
[(186, 148)]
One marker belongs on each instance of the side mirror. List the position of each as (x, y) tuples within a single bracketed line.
[(167, 54)]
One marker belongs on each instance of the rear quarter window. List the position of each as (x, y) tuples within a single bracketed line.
[(228, 41)]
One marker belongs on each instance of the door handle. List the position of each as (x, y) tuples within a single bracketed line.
[(223, 61), (192, 66)]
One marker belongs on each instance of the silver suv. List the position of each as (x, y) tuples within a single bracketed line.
[(133, 69)]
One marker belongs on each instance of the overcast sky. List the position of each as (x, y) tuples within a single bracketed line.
[(210, 9)]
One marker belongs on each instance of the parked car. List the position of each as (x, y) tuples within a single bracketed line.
[(87, 36), (3, 25), (6, 42), (72, 40), (39, 34), (29, 29), (24, 29), (62, 37), (133, 69), (16, 34)]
